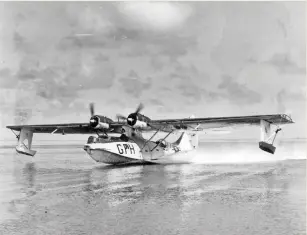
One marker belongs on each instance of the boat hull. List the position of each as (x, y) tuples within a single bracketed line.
[(107, 157), (111, 158), (114, 153)]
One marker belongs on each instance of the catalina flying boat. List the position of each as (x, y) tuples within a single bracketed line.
[(131, 147)]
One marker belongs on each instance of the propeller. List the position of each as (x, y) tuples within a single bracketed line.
[(131, 116), (92, 109), (94, 120), (98, 121), (139, 108)]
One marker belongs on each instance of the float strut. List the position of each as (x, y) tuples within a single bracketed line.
[(279, 129)]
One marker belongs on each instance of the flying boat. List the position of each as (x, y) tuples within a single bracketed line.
[(130, 145)]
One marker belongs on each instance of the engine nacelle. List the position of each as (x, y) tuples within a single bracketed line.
[(140, 124), (102, 125), (137, 120), (100, 122)]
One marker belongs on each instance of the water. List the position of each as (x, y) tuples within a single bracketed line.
[(233, 188)]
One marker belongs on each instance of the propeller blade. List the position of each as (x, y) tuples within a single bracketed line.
[(92, 109), (139, 108)]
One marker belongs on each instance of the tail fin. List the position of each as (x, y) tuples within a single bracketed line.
[(187, 141)]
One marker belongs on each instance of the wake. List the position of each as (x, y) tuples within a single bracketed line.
[(232, 152)]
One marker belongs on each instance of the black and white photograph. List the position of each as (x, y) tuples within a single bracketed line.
[(153, 117)]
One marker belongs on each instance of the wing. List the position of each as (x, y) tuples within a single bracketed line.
[(220, 122), (68, 128)]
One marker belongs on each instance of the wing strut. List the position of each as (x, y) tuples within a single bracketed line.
[(150, 139), (162, 140)]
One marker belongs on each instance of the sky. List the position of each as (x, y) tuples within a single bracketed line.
[(178, 58)]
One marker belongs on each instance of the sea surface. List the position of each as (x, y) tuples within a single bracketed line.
[(229, 188)]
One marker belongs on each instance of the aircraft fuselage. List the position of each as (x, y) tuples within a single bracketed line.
[(135, 150), (114, 152)]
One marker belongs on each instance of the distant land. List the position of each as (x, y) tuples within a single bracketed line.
[(202, 140)]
